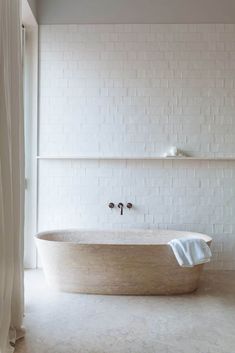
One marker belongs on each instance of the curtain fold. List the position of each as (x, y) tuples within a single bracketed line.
[(11, 175)]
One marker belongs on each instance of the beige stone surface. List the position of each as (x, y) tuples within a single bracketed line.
[(202, 322), (116, 262)]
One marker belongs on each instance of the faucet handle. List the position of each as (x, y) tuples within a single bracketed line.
[(111, 205), (120, 205), (129, 205)]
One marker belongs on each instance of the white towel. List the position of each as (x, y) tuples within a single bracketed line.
[(190, 251)]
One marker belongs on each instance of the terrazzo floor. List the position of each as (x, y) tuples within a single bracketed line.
[(202, 322)]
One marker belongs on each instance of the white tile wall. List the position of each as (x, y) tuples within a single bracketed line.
[(136, 90)]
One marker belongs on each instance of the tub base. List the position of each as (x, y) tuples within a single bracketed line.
[(137, 290)]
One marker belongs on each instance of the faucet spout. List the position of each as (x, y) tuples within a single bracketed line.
[(120, 205)]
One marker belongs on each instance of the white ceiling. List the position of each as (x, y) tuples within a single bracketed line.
[(135, 11)]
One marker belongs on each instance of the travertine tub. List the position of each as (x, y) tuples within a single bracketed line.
[(116, 262)]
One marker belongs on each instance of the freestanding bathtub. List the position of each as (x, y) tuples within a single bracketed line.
[(132, 262)]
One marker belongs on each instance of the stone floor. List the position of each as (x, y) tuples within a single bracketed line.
[(203, 322)]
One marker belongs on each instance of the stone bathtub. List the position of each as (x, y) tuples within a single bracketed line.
[(132, 262)]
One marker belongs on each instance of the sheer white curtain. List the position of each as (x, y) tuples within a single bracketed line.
[(11, 175)]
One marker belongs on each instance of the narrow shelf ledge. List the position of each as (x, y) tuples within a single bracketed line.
[(134, 158)]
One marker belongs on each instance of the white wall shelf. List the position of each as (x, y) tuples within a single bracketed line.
[(133, 158)]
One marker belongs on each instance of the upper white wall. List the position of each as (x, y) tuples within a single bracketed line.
[(135, 11), (137, 89)]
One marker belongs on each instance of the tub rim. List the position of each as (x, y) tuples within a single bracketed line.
[(38, 236)]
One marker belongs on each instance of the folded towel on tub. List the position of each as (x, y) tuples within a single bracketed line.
[(190, 251)]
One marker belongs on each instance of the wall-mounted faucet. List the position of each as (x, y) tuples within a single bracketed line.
[(120, 205)]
